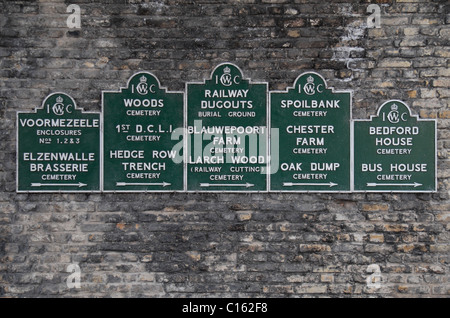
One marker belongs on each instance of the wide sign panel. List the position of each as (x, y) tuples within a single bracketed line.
[(139, 122), (395, 151), (310, 137), (227, 133), (58, 148)]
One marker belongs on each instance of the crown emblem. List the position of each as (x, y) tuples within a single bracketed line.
[(394, 107), (143, 79), (310, 79), (59, 99), (227, 70)]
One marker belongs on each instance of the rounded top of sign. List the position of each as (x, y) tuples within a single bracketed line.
[(394, 106), (310, 84), (143, 81), (395, 112), (58, 99), (227, 74), (227, 68)]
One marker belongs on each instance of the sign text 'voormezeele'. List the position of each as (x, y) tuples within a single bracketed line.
[(58, 148)]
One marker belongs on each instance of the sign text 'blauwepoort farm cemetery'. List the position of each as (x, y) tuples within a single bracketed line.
[(227, 133)]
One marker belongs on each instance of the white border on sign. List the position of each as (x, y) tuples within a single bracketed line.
[(17, 148), (267, 126), (351, 133), (103, 134), (372, 117)]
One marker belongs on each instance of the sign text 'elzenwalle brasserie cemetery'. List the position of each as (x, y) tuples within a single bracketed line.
[(227, 133)]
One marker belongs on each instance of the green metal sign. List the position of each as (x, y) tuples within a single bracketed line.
[(395, 151), (139, 153), (216, 138), (227, 133), (58, 148), (310, 137)]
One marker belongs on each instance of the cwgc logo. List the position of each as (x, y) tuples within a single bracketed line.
[(226, 78), (310, 87), (394, 116), (58, 108), (142, 87)]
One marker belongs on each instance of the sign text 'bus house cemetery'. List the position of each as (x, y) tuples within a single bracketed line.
[(313, 124), (58, 148), (395, 151), (227, 133), (139, 153)]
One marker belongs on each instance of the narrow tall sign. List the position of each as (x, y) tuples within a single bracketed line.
[(58, 148), (139, 122), (227, 133), (312, 149), (395, 151)]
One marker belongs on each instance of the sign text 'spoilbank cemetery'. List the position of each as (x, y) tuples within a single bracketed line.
[(225, 134)]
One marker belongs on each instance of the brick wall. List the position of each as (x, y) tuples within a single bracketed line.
[(170, 245)]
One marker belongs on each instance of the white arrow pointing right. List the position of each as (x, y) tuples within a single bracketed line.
[(415, 185), (207, 185), (290, 184), (38, 185)]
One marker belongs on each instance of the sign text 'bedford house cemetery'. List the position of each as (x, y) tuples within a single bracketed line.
[(225, 134)]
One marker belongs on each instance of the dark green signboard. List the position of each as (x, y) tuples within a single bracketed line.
[(58, 148), (139, 122), (227, 133), (310, 137), (395, 151)]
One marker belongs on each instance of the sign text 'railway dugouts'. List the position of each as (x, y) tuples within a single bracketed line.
[(227, 133)]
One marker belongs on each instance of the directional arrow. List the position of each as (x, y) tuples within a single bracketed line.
[(124, 184), (207, 185), (415, 185), (290, 184), (38, 185)]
